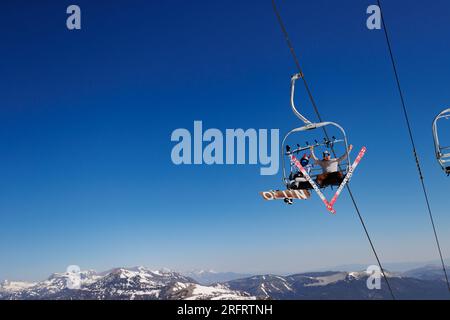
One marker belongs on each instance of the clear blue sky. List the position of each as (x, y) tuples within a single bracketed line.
[(86, 117)]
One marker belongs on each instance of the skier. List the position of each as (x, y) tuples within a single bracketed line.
[(304, 161), (330, 167), (298, 181)]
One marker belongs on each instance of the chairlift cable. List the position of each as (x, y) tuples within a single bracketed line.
[(411, 137), (311, 98)]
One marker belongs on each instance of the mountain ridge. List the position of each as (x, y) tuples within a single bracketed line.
[(138, 283), (141, 283)]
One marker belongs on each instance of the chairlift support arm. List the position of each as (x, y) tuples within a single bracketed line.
[(294, 108), (443, 158)]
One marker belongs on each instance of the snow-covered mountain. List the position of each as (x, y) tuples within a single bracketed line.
[(119, 284), (338, 285), (428, 272), (141, 283)]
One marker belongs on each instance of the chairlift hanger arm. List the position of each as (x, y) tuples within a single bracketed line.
[(294, 108), (443, 114)]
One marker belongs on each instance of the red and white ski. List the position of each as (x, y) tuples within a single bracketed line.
[(348, 176), (312, 183)]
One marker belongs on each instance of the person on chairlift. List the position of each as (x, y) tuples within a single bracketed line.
[(331, 175)]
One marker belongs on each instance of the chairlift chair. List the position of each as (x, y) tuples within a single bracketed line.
[(308, 126), (442, 151)]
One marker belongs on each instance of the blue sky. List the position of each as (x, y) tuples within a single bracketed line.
[(86, 116)]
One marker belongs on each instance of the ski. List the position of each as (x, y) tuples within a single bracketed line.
[(312, 183), (286, 194), (348, 175)]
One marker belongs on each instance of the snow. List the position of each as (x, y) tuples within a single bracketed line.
[(287, 286), (263, 288), (135, 293), (358, 275), (217, 292), (124, 283), (323, 281), (13, 286)]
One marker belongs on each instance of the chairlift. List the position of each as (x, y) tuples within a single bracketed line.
[(302, 176), (442, 151), (293, 180)]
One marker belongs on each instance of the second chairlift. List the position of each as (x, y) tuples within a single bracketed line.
[(442, 151)]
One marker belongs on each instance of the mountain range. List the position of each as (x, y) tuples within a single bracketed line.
[(119, 284), (140, 283)]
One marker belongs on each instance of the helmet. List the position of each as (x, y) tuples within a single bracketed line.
[(304, 160)]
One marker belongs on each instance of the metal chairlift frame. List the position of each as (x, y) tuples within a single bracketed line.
[(309, 126), (442, 152)]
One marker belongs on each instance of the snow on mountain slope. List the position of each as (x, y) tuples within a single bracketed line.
[(263, 287), (329, 279), (192, 291), (14, 286), (54, 284), (338, 285), (143, 284), (120, 284)]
